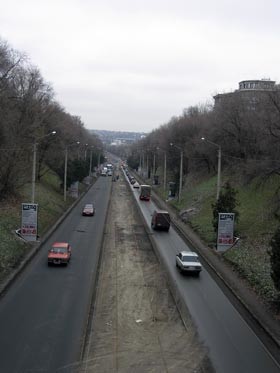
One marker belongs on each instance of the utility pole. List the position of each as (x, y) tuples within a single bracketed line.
[(35, 143), (219, 165), (164, 172), (65, 173), (34, 171), (181, 171)]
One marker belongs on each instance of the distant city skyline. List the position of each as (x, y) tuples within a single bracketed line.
[(132, 66), (118, 137)]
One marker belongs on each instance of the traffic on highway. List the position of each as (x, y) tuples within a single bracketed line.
[(43, 315), (233, 346)]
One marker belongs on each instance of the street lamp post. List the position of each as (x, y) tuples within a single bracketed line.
[(164, 173), (65, 173), (34, 163), (98, 162), (65, 169), (164, 168), (154, 166), (86, 151), (90, 161), (34, 172), (181, 170), (181, 175), (219, 165)]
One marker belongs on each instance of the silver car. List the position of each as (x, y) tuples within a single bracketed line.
[(188, 262)]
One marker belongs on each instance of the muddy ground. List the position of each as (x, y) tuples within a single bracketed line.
[(136, 326)]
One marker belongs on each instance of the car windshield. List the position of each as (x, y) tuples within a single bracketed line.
[(190, 258), (59, 250)]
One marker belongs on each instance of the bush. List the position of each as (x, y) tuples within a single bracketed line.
[(226, 203)]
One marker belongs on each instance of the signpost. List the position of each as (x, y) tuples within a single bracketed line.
[(29, 221), (225, 237)]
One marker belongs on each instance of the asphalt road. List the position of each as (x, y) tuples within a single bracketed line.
[(136, 326), (43, 315), (233, 346)]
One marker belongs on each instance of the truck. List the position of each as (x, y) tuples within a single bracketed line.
[(145, 193)]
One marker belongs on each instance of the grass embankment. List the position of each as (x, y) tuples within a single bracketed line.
[(49, 197), (255, 227)]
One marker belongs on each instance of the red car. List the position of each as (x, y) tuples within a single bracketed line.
[(88, 210), (59, 253)]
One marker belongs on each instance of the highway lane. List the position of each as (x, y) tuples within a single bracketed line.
[(233, 346), (43, 315)]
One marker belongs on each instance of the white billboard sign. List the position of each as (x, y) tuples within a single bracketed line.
[(29, 221), (225, 237), (74, 189)]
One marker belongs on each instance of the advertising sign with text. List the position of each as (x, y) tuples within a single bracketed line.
[(29, 220), (74, 189), (225, 231)]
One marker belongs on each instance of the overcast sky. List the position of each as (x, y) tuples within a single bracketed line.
[(131, 65)]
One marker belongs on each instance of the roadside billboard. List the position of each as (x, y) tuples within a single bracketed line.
[(29, 221), (74, 189), (225, 237)]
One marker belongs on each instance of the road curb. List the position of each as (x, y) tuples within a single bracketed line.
[(218, 270), (35, 248), (210, 257), (93, 290)]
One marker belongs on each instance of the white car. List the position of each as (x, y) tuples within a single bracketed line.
[(88, 210), (136, 185), (188, 262)]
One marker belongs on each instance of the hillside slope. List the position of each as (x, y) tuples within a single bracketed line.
[(49, 197), (257, 223)]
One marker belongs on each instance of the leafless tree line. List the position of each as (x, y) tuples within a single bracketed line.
[(246, 128), (28, 112)]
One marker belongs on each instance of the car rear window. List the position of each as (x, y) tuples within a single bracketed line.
[(189, 258), (163, 216), (58, 250)]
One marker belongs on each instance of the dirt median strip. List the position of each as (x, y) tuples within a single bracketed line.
[(136, 326)]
